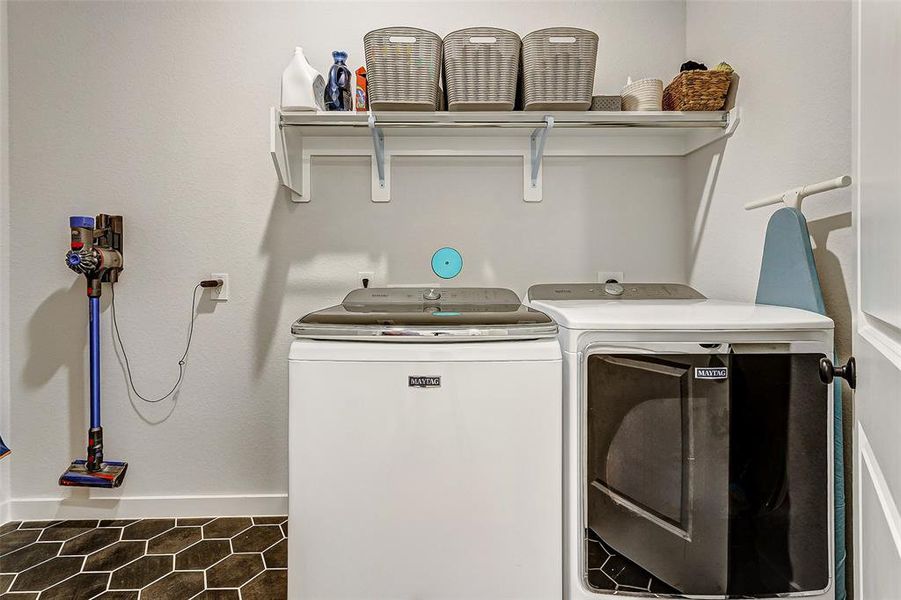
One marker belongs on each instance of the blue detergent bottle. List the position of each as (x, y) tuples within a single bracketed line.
[(338, 95)]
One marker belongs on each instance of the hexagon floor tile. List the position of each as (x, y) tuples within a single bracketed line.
[(154, 559)]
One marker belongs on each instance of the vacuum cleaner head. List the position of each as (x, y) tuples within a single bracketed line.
[(110, 475)]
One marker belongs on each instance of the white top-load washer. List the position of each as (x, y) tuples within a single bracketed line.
[(698, 444), (425, 460)]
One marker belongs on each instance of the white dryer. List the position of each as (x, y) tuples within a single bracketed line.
[(425, 457), (698, 444)]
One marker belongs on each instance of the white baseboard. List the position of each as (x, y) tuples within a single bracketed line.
[(82, 506)]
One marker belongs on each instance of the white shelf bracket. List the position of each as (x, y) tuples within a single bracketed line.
[(537, 141), (380, 190), (279, 151)]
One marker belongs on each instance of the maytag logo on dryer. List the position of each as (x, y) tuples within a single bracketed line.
[(423, 381), (711, 372)]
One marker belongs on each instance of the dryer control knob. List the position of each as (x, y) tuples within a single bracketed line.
[(432, 294), (614, 289)]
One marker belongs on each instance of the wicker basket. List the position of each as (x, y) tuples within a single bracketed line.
[(403, 67), (481, 65), (697, 90), (558, 68)]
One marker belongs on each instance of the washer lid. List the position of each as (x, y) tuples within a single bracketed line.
[(683, 310), (428, 314)]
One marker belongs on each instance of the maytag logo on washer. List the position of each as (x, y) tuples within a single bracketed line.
[(711, 372), (422, 381)]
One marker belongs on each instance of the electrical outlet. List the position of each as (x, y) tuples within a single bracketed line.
[(367, 275), (605, 276), (219, 293)]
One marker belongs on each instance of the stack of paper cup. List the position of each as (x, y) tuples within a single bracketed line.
[(644, 94)]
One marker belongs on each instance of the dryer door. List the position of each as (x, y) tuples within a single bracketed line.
[(707, 472)]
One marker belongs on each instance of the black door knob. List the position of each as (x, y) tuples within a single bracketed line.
[(828, 371)]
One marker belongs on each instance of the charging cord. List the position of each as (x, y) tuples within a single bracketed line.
[(207, 283)]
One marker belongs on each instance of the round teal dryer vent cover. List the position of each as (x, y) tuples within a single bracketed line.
[(447, 263)]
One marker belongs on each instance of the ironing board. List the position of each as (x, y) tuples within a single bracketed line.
[(788, 277)]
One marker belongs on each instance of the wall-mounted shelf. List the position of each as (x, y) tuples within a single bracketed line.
[(296, 137)]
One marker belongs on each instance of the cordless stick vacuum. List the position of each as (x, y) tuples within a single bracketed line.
[(96, 253)]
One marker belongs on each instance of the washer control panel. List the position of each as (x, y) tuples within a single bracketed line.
[(613, 291), (414, 295)]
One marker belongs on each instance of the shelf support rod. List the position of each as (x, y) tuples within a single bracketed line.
[(378, 146), (536, 142)]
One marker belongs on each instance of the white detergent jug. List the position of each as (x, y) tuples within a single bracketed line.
[(302, 85)]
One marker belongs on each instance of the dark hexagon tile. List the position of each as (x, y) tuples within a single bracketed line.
[(225, 527), (80, 587), (20, 596), (117, 522), (269, 520), (93, 540), (285, 528), (27, 557), (147, 528), (141, 572), (57, 533), (114, 556), (47, 574), (37, 524), (174, 540), (193, 522), (175, 586), (218, 595), (234, 571), (5, 580), (11, 526), (17, 539), (257, 538), (271, 585), (277, 556), (202, 555), (79, 523), (118, 596), (625, 572)]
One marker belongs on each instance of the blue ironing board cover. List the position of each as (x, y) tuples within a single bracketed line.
[(788, 274), (788, 277)]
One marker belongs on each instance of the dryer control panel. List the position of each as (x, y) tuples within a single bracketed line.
[(613, 291)]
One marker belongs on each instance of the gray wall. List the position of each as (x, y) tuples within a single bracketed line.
[(158, 111)]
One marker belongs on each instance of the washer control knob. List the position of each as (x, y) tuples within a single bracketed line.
[(614, 289), (431, 294)]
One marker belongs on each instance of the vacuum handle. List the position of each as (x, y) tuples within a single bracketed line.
[(848, 372)]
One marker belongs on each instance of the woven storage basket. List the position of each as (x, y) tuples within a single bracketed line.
[(607, 103), (403, 66), (481, 65), (697, 90), (558, 68), (644, 94)]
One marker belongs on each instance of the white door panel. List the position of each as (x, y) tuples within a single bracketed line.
[(879, 153), (879, 537), (877, 339)]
